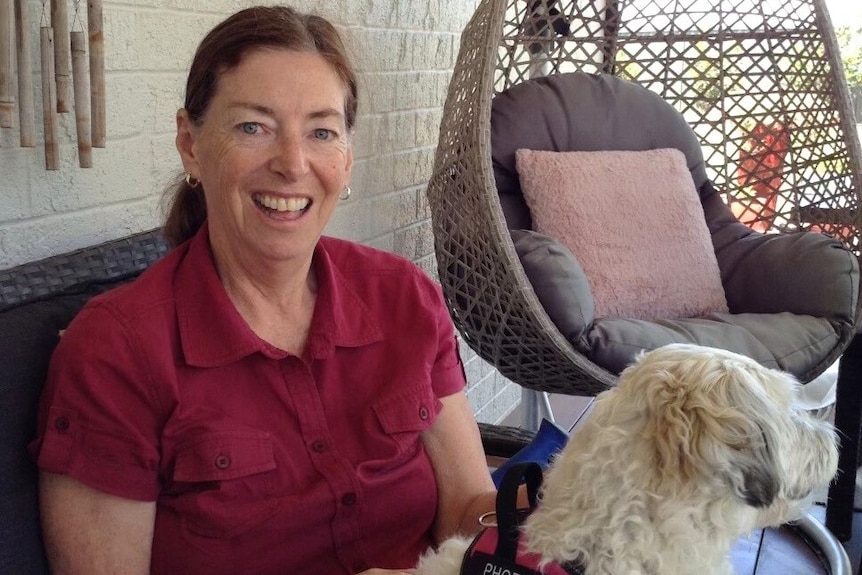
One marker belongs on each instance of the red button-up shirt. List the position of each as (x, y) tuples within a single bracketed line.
[(259, 461)]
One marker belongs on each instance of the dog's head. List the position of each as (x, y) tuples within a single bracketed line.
[(716, 419), (694, 445)]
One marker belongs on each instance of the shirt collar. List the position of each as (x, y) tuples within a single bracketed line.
[(213, 332), (341, 316)]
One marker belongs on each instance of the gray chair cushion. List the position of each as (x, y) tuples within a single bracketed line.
[(558, 280), (803, 273), (786, 341)]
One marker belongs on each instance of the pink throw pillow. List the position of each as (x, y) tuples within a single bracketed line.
[(634, 222)]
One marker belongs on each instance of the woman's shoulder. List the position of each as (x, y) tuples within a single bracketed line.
[(373, 272), (352, 257), (137, 297)]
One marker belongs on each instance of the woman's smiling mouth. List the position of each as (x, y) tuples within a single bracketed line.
[(274, 204)]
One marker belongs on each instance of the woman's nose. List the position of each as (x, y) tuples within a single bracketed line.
[(289, 156)]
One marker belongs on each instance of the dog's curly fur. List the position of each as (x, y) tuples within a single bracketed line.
[(695, 447)]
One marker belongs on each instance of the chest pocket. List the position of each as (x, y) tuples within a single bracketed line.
[(223, 482), (220, 456), (405, 415)]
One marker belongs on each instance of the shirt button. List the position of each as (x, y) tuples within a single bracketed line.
[(423, 413), (61, 424), (348, 499), (318, 446), (222, 461)]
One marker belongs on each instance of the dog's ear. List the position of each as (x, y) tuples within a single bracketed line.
[(677, 425), (703, 426)]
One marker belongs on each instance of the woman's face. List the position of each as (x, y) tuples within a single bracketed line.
[(272, 153)]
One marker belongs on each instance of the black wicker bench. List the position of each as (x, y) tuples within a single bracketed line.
[(36, 301)]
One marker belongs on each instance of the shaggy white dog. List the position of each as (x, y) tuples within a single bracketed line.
[(695, 447)]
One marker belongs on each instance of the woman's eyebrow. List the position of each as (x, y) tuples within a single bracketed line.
[(327, 113), (249, 106), (318, 114)]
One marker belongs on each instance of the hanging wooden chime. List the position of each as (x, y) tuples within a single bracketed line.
[(81, 84), (26, 112), (7, 32), (62, 55), (97, 72), (67, 83), (49, 97)]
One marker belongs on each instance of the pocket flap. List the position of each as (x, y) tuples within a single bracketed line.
[(218, 456), (414, 409)]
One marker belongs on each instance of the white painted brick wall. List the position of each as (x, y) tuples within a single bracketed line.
[(404, 51)]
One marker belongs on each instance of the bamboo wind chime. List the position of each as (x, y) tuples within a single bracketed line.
[(62, 55), (97, 72), (7, 98), (26, 117), (67, 84), (81, 88)]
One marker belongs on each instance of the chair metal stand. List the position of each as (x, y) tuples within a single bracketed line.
[(820, 537), (848, 422), (535, 405)]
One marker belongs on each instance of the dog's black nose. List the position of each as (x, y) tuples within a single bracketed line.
[(760, 487)]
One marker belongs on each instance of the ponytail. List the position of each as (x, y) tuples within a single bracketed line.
[(187, 212)]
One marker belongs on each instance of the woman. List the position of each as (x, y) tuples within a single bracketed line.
[(263, 399)]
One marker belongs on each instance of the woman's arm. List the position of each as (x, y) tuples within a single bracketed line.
[(89, 532), (464, 487)]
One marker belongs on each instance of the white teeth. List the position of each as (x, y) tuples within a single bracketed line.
[(294, 204), (282, 204)]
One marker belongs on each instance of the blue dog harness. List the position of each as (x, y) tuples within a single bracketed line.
[(500, 550)]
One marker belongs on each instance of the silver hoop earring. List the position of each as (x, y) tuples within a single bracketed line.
[(345, 195), (192, 181)]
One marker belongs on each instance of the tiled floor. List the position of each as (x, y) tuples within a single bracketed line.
[(771, 552)]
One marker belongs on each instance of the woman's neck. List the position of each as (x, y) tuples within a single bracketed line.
[(275, 299)]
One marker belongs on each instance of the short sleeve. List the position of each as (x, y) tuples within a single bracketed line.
[(447, 376), (98, 421)]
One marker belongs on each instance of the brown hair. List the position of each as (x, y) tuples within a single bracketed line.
[(223, 49)]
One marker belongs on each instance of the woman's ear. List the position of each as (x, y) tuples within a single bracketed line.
[(185, 142), (348, 155), (348, 171)]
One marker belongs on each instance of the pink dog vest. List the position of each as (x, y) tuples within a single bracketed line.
[(500, 550)]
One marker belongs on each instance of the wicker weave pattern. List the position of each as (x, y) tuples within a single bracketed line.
[(758, 82), (755, 80), (110, 260)]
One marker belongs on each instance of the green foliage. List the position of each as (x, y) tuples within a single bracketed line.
[(850, 44)]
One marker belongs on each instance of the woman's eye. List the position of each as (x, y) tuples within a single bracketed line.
[(249, 127), (322, 134)]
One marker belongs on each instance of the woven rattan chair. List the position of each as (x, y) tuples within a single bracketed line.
[(760, 84)]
